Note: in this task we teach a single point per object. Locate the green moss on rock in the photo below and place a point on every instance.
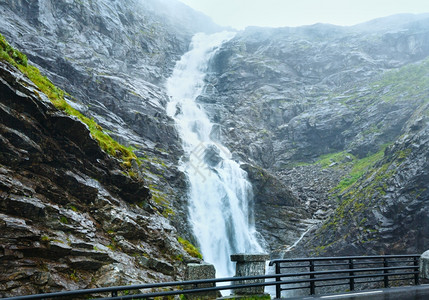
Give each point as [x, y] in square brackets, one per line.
[56, 95]
[191, 249]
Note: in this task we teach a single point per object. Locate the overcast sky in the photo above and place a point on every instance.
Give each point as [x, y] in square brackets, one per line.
[276, 13]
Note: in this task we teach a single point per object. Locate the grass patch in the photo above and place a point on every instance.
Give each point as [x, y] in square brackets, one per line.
[355, 199]
[332, 159]
[160, 198]
[64, 220]
[360, 167]
[13, 56]
[45, 238]
[56, 95]
[406, 82]
[191, 249]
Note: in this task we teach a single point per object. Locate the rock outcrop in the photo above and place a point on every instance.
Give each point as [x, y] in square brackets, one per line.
[112, 57]
[74, 217]
[70, 215]
[289, 100]
[386, 211]
[290, 95]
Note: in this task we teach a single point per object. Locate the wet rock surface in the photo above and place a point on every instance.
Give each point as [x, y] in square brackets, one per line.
[386, 211]
[283, 98]
[113, 57]
[278, 104]
[68, 211]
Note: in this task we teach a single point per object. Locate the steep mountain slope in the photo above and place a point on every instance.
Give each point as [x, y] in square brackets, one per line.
[284, 98]
[112, 57]
[70, 215]
[293, 84]
[385, 209]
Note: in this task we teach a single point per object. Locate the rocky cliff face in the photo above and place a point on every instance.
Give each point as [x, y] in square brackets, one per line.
[284, 98]
[386, 210]
[112, 57]
[70, 216]
[295, 87]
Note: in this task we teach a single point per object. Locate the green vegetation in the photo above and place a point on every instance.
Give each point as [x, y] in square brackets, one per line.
[160, 198]
[405, 83]
[56, 96]
[191, 249]
[108, 144]
[360, 167]
[74, 276]
[64, 220]
[113, 244]
[319, 250]
[45, 238]
[10, 54]
[409, 83]
[178, 257]
[366, 184]
[327, 160]
[166, 297]
[404, 153]
[354, 198]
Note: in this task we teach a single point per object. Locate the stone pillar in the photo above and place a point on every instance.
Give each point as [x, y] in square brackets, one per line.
[249, 265]
[201, 271]
[424, 265]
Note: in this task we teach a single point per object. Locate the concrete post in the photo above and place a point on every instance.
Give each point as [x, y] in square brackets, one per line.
[201, 271]
[249, 265]
[424, 265]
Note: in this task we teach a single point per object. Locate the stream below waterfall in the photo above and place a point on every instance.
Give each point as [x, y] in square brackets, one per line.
[220, 196]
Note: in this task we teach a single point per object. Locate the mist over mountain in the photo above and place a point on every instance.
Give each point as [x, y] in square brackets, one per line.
[330, 123]
[318, 108]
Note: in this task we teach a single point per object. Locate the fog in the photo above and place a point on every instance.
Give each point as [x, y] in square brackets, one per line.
[277, 13]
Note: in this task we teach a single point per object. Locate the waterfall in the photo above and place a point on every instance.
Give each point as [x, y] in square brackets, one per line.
[220, 195]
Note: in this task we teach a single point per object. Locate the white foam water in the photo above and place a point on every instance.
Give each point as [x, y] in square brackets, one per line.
[220, 195]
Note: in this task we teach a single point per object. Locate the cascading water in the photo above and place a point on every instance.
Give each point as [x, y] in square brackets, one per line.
[219, 196]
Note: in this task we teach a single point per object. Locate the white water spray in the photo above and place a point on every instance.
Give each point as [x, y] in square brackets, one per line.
[299, 239]
[220, 193]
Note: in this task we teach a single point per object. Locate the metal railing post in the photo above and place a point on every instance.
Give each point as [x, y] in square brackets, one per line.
[386, 277]
[278, 290]
[416, 268]
[114, 293]
[312, 283]
[352, 279]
